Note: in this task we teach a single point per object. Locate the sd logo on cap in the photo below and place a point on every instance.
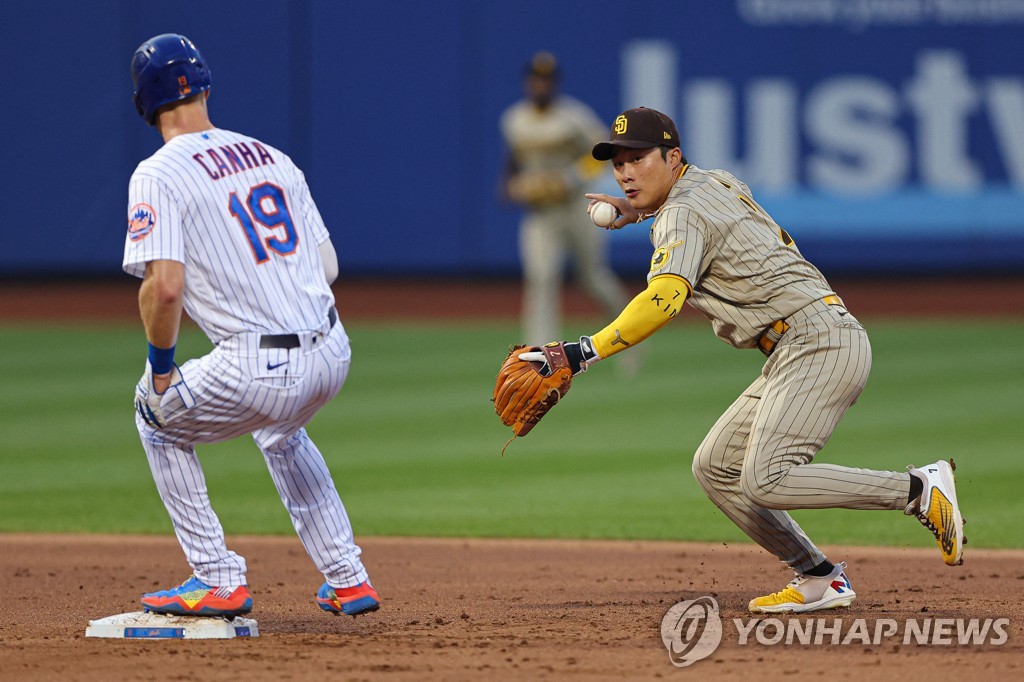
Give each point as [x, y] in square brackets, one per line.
[639, 128]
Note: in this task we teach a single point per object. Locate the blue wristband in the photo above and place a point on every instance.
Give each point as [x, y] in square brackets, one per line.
[161, 359]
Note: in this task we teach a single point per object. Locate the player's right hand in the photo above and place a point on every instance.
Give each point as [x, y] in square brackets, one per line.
[627, 214]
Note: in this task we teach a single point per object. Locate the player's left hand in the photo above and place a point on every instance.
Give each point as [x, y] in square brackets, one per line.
[149, 393]
[579, 355]
[523, 393]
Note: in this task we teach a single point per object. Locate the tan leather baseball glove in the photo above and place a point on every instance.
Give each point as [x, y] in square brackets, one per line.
[539, 188]
[525, 390]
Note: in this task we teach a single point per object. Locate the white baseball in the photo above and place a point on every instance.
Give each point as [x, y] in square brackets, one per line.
[603, 214]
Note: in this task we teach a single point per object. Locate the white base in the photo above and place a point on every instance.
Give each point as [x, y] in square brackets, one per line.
[142, 625]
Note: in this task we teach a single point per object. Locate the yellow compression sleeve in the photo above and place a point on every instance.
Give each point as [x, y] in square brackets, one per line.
[647, 313]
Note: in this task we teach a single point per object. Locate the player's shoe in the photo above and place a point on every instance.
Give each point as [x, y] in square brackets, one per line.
[348, 600]
[806, 593]
[937, 509]
[195, 598]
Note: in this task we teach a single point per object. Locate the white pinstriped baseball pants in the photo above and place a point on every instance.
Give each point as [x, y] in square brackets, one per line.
[240, 388]
[756, 460]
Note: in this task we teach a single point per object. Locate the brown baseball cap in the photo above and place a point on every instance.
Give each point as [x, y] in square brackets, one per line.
[639, 128]
[543, 64]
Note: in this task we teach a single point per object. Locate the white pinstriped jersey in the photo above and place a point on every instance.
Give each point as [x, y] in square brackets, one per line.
[239, 215]
[745, 271]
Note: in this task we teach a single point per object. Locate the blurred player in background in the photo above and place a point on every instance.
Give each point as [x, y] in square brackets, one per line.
[548, 138]
[223, 226]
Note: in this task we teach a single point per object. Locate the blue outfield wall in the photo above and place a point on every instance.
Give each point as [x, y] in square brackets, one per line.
[886, 137]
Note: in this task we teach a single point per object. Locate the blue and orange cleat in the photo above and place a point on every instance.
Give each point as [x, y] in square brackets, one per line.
[348, 600]
[195, 598]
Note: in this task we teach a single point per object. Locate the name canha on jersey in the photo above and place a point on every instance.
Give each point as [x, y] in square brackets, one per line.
[238, 213]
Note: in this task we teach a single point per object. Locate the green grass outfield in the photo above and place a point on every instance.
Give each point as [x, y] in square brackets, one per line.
[415, 446]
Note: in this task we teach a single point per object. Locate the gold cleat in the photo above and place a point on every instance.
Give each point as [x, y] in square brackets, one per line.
[937, 509]
[806, 593]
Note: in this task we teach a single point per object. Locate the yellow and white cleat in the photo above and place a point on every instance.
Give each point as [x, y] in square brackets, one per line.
[806, 593]
[937, 509]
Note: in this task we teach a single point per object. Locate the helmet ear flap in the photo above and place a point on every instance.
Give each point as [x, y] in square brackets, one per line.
[138, 105]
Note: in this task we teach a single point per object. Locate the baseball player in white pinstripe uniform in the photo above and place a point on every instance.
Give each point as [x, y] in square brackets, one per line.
[716, 248]
[223, 226]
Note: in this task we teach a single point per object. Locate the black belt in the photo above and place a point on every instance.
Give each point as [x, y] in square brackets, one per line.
[292, 340]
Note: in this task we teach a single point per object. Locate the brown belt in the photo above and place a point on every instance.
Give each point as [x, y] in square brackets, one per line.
[773, 334]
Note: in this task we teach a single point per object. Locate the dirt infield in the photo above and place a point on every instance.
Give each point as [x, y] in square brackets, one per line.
[435, 299]
[503, 609]
[513, 609]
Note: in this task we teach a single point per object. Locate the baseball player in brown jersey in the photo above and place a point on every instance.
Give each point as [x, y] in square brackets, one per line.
[717, 249]
[548, 136]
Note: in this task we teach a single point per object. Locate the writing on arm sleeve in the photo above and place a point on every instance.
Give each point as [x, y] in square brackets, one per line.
[677, 261]
[647, 313]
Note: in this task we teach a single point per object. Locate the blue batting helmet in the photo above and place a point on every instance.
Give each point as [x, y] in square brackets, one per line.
[165, 69]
